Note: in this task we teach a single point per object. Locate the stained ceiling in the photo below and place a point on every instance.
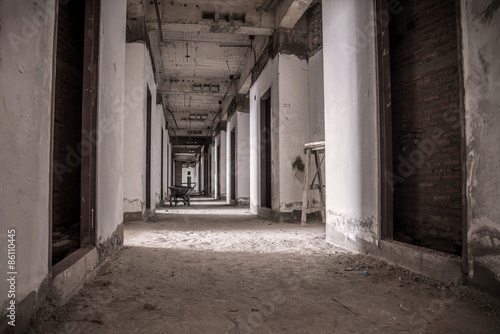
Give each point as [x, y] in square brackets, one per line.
[203, 52]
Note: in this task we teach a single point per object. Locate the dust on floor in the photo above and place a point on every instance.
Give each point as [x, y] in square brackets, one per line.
[211, 268]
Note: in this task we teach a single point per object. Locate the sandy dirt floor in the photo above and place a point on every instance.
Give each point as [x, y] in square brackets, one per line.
[211, 268]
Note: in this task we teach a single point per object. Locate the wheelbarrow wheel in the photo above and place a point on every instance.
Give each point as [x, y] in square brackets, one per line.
[170, 200]
[189, 200]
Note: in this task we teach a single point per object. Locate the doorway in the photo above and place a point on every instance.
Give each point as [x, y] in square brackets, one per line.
[149, 103]
[161, 167]
[265, 151]
[233, 165]
[217, 159]
[421, 131]
[73, 186]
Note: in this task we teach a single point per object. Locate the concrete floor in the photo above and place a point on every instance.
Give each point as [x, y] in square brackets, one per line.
[212, 268]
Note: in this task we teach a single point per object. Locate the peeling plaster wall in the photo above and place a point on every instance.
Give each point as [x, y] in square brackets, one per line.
[293, 130]
[316, 98]
[157, 124]
[223, 164]
[352, 166]
[240, 123]
[110, 119]
[481, 47]
[242, 157]
[139, 75]
[268, 79]
[134, 137]
[221, 140]
[231, 125]
[25, 111]
[149, 79]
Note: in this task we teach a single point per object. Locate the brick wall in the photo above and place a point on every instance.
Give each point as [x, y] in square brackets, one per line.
[67, 129]
[426, 125]
[314, 24]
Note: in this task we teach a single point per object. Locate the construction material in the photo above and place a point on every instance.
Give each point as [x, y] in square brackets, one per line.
[318, 149]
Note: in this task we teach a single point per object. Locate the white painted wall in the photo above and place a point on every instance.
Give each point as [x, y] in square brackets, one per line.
[213, 192]
[481, 50]
[138, 77]
[110, 119]
[243, 158]
[240, 123]
[157, 124]
[289, 78]
[133, 140]
[316, 98]
[170, 164]
[26, 88]
[25, 111]
[293, 129]
[352, 164]
[231, 123]
[222, 192]
[268, 79]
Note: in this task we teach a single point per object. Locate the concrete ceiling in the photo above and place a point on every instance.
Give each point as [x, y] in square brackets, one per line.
[203, 53]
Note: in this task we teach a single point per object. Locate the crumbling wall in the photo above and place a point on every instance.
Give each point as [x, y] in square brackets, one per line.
[26, 56]
[139, 77]
[426, 130]
[481, 47]
[351, 123]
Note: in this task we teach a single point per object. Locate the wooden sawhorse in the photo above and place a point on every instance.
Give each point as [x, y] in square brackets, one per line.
[317, 148]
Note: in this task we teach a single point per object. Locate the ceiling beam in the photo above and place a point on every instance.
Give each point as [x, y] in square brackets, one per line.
[289, 12]
[205, 17]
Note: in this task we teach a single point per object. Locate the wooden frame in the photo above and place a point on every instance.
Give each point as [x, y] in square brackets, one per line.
[265, 151]
[385, 119]
[90, 100]
[149, 106]
[161, 167]
[52, 117]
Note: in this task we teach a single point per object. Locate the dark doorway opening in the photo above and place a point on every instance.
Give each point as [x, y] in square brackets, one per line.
[233, 164]
[149, 106]
[209, 173]
[423, 165]
[161, 167]
[265, 151]
[217, 159]
[73, 188]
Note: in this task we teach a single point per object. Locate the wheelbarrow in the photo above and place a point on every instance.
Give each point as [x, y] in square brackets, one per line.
[182, 192]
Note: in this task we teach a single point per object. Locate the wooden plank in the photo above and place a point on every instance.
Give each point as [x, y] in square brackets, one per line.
[315, 209]
[315, 144]
[321, 191]
[305, 192]
[385, 112]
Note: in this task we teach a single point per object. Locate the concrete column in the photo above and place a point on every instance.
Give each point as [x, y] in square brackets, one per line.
[352, 144]
[243, 158]
[222, 160]
[287, 78]
[138, 76]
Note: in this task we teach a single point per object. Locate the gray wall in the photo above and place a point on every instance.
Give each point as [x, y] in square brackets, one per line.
[481, 50]
[110, 119]
[25, 111]
[26, 87]
[352, 163]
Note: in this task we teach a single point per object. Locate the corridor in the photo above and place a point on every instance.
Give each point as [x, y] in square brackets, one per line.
[214, 268]
[379, 118]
